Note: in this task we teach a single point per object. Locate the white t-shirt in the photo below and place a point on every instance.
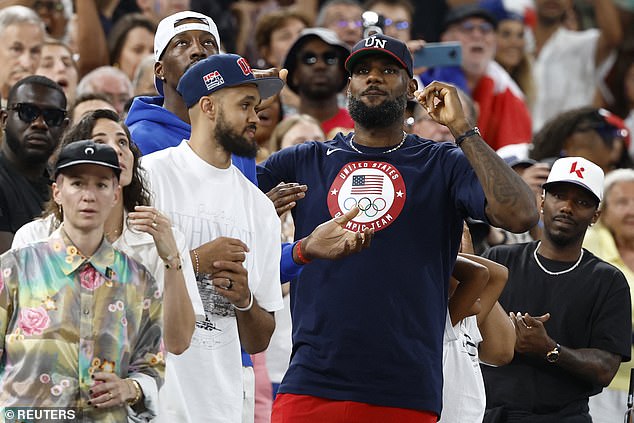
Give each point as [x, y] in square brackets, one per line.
[463, 396]
[565, 74]
[205, 382]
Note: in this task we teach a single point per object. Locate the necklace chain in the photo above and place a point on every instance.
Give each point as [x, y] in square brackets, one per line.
[573, 267]
[385, 152]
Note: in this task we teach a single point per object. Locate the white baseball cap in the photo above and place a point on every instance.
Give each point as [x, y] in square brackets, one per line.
[579, 171]
[168, 28]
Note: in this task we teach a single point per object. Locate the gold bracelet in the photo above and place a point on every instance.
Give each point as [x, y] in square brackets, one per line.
[197, 263]
[138, 392]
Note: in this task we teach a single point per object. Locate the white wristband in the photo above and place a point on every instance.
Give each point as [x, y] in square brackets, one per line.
[247, 308]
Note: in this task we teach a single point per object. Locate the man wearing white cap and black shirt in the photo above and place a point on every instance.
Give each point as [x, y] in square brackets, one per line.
[571, 310]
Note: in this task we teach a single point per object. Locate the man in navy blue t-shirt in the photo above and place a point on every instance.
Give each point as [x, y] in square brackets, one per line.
[368, 329]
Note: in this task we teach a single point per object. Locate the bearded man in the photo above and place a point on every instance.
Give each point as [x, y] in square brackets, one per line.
[368, 329]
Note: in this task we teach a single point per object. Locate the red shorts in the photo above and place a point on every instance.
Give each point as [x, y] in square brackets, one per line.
[292, 408]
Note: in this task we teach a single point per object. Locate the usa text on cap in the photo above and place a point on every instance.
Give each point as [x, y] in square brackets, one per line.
[222, 71]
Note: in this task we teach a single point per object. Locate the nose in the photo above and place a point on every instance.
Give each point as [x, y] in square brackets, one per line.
[198, 50]
[374, 74]
[253, 116]
[39, 122]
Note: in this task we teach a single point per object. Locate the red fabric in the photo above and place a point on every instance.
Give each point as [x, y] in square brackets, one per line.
[341, 120]
[292, 408]
[504, 118]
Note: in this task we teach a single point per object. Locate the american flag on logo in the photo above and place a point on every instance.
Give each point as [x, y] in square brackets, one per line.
[367, 184]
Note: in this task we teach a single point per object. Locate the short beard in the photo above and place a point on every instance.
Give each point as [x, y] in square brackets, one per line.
[385, 114]
[233, 142]
[16, 146]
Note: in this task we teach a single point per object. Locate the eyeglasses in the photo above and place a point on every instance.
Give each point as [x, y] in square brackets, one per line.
[484, 27]
[50, 6]
[397, 24]
[330, 58]
[28, 112]
[345, 23]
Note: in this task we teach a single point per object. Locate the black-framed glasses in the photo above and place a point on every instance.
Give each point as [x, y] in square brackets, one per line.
[28, 112]
[330, 58]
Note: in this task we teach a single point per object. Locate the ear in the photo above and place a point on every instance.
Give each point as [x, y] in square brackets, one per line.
[412, 86]
[57, 195]
[596, 216]
[541, 204]
[158, 70]
[3, 118]
[208, 105]
[117, 192]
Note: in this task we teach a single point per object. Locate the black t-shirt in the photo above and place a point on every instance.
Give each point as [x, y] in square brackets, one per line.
[21, 200]
[589, 308]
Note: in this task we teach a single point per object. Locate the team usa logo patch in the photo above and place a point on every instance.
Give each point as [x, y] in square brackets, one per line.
[213, 79]
[377, 188]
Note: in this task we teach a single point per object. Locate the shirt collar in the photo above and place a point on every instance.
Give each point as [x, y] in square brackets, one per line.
[70, 259]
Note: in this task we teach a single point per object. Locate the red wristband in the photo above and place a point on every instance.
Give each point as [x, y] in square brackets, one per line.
[300, 256]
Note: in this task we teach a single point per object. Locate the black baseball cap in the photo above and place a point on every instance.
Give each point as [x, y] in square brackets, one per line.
[87, 152]
[382, 44]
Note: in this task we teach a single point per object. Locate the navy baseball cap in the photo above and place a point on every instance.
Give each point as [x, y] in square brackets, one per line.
[382, 44]
[87, 152]
[221, 71]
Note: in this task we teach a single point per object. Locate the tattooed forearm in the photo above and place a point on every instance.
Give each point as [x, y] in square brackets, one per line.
[510, 202]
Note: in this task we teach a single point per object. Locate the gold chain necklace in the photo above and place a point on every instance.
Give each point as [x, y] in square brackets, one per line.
[385, 152]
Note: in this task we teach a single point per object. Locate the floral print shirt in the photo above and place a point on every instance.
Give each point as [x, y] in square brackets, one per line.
[64, 316]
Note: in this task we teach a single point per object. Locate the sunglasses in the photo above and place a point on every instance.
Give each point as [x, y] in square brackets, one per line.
[484, 27]
[330, 58]
[28, 112]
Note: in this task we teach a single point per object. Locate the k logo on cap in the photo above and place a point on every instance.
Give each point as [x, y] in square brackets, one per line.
[579, 171]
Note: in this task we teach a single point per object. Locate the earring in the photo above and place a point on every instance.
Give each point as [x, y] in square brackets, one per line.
[59, 207]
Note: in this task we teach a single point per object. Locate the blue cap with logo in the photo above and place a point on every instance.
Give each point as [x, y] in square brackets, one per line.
[222, 71]
[382, 44]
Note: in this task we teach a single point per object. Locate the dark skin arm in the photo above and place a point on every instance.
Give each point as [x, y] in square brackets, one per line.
[6, 238]
[510, 202]
[254, 326]
[331, 240]
[472, 278]
[223, 258]
[591, 364]
[285, 195]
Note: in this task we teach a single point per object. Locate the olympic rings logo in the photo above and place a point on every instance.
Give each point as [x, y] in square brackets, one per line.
[368, 207]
